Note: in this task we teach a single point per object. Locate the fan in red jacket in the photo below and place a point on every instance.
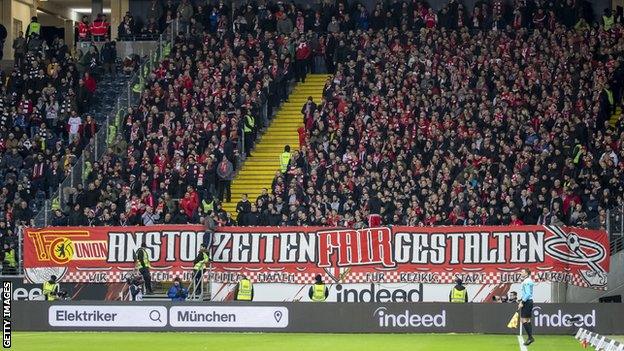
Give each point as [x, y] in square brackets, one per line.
[84, 29]
[99, 28]
[302, 57]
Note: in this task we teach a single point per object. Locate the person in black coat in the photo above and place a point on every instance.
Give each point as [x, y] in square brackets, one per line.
[3, 36]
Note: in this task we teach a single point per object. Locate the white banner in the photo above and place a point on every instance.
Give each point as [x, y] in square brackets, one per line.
[229, 317]
[107, 316]
[381, 292]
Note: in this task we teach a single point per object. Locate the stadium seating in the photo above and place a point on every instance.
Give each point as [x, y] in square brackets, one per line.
[491, 116]
[49, 114]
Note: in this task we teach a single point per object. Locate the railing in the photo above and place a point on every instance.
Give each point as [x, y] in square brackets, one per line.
[82, 165]
[203, 290]
[615, 228]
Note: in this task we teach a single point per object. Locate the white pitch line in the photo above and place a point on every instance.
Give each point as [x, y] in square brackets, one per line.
[521, 343]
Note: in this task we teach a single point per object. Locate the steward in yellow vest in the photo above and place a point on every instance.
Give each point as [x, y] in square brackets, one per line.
[199, 264]
[285, 159]
[244, 290]
[10, 263]
[458, 293]
[608, 20]
[50, 289]
[318, 292]
[34, 27]
[142, 263]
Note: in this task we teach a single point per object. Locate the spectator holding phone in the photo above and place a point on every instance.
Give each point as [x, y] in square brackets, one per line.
[177, 292]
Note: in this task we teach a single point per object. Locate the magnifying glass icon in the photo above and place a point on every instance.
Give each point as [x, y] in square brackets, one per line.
[154, 315]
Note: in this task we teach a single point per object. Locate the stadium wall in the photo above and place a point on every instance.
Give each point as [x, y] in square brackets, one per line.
[380, 292]
[615, 284]
[312, 317]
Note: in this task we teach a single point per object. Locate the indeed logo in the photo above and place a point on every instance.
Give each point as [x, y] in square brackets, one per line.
[560, 319]
[378, 295]
[409, 320]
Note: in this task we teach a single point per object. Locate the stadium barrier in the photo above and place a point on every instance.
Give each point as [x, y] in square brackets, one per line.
[597, 341]
[311, 317]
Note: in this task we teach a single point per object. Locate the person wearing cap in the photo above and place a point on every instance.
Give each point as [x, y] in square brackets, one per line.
[318, 292]
[458, 293]
[199, 264]
[142, 263]
[50, 289]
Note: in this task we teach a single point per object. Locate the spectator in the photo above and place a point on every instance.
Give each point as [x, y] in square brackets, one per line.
[127, 27]
[177, 292]
[100, 28]
[184, 14]
[83, 29]
[19, 49]
[109, 58]
[225, 172]
[242, 209]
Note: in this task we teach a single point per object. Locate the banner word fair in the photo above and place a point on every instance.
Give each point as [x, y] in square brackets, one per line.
[430, 255]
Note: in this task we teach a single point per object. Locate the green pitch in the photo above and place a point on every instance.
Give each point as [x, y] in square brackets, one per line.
[121, 341]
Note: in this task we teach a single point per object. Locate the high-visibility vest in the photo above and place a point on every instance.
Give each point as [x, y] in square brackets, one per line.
[112, 132]
[146, 260]
[458, 296]
[48, 290]
[34, 27]
[250, 124]
[99, 28]
[577, 153]
[244, 290]
[9, 257]
[318, 292]
[284, 161]
[207, 206]
[201, 264]
[609, 96]
[608, 22]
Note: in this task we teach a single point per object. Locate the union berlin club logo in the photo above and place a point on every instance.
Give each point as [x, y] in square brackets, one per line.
[296, 254]
[575, 250]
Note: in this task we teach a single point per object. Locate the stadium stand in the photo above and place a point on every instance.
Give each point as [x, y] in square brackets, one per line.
[51, 105]
[504, 115]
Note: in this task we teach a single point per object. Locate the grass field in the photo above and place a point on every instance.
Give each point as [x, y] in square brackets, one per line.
[121, 341]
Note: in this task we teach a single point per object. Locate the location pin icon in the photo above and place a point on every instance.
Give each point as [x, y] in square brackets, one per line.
[278, 316]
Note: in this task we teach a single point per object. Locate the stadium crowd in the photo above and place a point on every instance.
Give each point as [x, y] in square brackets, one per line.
[498, 116]
[46, 105]
[448, 124]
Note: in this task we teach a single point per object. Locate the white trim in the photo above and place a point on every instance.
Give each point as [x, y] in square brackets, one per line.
[521, 343]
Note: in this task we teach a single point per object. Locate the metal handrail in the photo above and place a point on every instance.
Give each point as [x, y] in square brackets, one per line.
[193, 294]
[205, 288]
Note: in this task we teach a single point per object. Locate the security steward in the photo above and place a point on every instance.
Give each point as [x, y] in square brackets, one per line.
[244, 290]
[249, 128]
[318, 292]
[458, 293]
[285, 159]
[33, 28]
[51, 289]
[9, 263]
[142, 263]
[199, 264]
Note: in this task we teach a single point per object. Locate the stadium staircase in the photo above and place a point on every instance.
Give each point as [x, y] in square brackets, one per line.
[259, 170]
